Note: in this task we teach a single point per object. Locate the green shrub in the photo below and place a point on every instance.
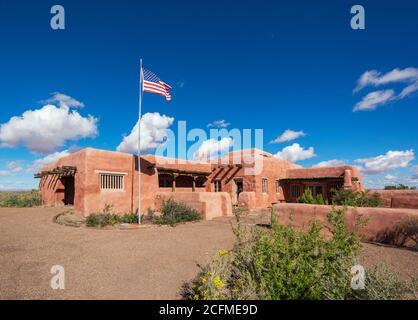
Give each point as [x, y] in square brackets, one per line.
[399, 187]
[108, 218]
[173, 212]
[102, 219]
[308, 198]
[20, 199]
[129, 218]
[281, 263]
[349, 197]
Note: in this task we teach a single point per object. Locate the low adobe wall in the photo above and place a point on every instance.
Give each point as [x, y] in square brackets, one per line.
[398, 198]
[379, 228]
[210, 204]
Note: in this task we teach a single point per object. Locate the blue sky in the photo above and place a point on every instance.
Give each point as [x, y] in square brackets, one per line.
[260, 64]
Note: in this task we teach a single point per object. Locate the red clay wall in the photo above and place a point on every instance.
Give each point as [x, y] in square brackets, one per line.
[52, 190]
[399, 198]
[380, 220]
[256, 165]
[210, 204]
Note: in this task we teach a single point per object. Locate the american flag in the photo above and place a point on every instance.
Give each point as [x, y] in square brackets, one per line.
[153, 84]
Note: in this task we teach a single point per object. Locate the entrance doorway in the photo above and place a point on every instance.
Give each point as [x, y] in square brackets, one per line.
[69, 190]
[238, 187]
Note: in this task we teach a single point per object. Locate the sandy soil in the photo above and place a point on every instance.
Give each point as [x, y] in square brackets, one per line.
[145, 263]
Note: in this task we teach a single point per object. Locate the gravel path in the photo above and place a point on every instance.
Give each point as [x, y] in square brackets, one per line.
[146, 263]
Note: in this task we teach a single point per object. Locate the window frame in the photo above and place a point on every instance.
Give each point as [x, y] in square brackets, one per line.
[293, 187]
[264, 185]
[110, 181]
[277, 186]
[219, 187]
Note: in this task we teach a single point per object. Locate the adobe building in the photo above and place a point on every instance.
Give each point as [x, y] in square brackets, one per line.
[89, 179]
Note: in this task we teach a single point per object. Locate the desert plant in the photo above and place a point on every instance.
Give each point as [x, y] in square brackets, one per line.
[349, 197]
[399, 187]
[307, 197]
[381, 283]
[173, 212]
[102, 219]
[131, 218]
[281, 263]
[20, 199]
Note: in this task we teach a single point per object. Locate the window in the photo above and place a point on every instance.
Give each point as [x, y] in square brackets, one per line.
[165, 181]
[295, 190]
[217, 185]
[200, 182]
[277, 186]
[264, 185]
[332, 187]
[110, 181]
[316, 190]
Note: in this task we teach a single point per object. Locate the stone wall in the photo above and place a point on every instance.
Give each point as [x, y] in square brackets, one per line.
[381, 221]
[399, 198]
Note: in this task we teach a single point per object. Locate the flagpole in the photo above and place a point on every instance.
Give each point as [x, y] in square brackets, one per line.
[139, 139]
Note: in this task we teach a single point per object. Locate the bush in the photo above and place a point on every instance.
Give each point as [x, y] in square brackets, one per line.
[349, 197]
[281, 263]
[102, 219]
[20, 199]
[399, 187]
[173, 212]
[308, 198]
[107, 218]
[129, 218]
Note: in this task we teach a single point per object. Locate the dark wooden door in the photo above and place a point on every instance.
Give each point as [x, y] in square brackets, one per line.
[69, 190]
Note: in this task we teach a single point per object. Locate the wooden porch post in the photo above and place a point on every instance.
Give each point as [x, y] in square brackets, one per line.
[175, 175]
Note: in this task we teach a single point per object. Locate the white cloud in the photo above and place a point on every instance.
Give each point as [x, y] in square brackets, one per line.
[384, 163]
[153, 133]
[390, 177]
[63, 101]
[379, 182]
[16, 185]
[212, 148]
[218, 124]
[376, 78]
[295, 153]
[38, 164]
[329, 163]
[43, 130]
[374, 99]
[6, 173]
[408, 90]
[415, 172]
[13, 168]
[288, 135]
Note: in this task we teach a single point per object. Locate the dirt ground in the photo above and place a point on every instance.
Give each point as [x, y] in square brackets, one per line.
[145, 263]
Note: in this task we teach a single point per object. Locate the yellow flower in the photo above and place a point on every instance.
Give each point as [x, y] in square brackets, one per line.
[217, 282]
[222, 252]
